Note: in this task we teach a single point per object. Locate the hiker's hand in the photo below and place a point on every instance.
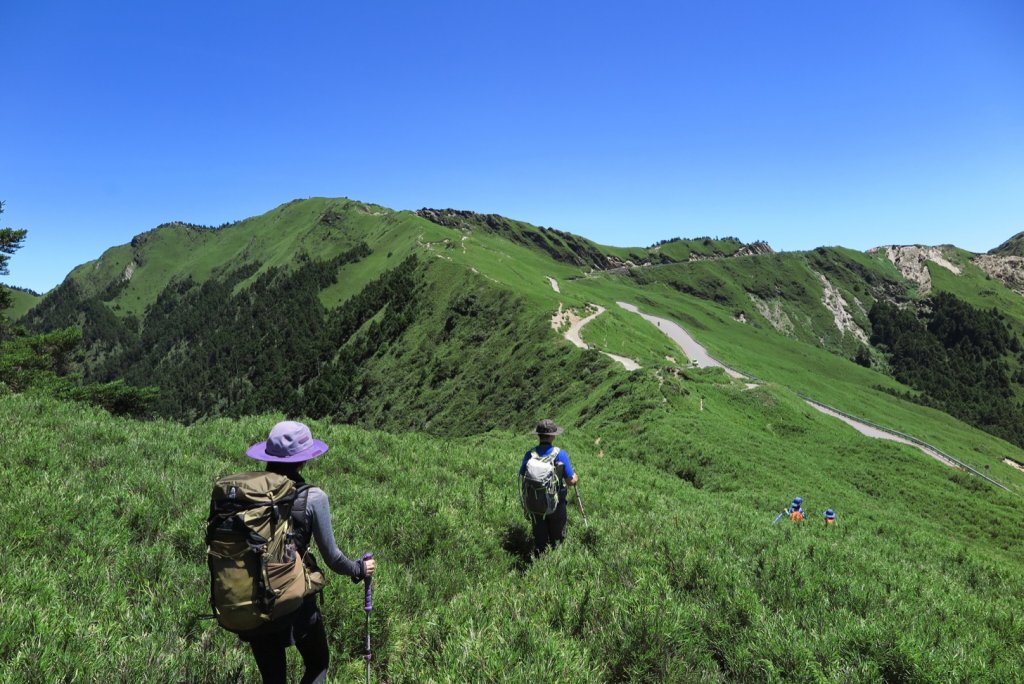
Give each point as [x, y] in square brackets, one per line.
[369, 565]
[575, 478]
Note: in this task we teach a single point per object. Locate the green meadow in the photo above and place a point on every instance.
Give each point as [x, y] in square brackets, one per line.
[679, 575]
[21, 302]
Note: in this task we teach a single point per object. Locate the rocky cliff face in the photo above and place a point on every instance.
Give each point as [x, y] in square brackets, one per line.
[1000, 264]
[760, 247]
[1008, 269]
[912, 262]
[752, 249]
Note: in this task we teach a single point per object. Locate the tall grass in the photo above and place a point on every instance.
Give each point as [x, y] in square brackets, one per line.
[679, 576]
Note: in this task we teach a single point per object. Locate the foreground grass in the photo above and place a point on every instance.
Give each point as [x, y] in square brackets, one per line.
[679, 576]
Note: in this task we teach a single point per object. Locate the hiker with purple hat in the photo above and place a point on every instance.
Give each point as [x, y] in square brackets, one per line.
[544, 477]
[286, 451]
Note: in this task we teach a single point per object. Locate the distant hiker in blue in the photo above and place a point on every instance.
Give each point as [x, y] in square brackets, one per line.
[830, 517]
[544, 478]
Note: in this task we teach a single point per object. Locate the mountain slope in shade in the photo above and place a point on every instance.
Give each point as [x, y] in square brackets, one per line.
[1012, 247]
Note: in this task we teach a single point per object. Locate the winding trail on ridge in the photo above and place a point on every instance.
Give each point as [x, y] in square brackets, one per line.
[699, 356]
[576, 326]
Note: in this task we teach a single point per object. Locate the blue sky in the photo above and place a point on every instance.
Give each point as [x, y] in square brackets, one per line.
[803, 123]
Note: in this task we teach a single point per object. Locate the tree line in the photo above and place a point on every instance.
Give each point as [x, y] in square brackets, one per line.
[960, 357]
[421, 347]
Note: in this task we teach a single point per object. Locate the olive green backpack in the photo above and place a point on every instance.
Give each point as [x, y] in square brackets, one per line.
[258, 572]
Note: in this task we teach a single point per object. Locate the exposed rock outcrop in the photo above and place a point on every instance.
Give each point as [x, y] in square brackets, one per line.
[773, 313]
[759, 247]
[836, 303]
[912, 260]
[1008, 269]
[754, 248]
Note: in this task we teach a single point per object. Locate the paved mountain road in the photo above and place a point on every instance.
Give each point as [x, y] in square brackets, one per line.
[699, 355]
[696, 353]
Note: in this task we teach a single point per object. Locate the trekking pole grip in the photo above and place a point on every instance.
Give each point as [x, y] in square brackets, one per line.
[368, 602]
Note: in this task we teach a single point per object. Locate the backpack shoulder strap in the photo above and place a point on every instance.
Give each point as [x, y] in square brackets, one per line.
[300, 512]
[302, 524]
[546, 459]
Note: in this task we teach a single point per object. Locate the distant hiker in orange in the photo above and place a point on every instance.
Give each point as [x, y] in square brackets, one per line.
[796, 513]
[830, 517]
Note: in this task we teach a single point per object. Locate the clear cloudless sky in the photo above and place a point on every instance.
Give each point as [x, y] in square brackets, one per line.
[800, 122]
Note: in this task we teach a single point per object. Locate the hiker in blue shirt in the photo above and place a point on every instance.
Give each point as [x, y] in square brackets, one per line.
[548, 525]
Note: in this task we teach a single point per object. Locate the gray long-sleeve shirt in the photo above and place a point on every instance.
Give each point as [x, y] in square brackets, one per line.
[319, 511]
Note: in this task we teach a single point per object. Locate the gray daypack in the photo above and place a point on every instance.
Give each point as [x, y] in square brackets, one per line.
[539, 484]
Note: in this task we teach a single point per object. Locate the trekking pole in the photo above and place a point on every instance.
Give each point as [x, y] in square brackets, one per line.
[778, 516]
[580, 502]
[368, 606]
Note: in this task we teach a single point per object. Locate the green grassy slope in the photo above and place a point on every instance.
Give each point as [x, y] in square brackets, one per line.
[679, 577]
[21, 302]
[575, 250]
[320, 228]
[798, 366]
[788, 287]
[976, 288]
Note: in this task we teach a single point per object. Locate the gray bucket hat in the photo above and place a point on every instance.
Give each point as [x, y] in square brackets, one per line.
[289, 442]
[548, 427]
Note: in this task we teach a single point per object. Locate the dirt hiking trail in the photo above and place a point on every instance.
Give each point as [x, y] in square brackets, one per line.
[576, 324]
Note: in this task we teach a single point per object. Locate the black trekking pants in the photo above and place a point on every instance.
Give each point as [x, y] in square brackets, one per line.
[549, 530]
[308, 636]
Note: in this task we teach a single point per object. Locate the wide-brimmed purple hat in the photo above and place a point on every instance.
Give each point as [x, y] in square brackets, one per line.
[289, 442]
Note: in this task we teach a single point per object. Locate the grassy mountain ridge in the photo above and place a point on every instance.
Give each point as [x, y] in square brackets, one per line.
[143, 308]
[578, 251]
[21, 301]
[766, 313]
[129, 277]
[1012, 247]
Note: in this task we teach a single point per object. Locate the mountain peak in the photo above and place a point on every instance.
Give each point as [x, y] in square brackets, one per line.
[1012, 247]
